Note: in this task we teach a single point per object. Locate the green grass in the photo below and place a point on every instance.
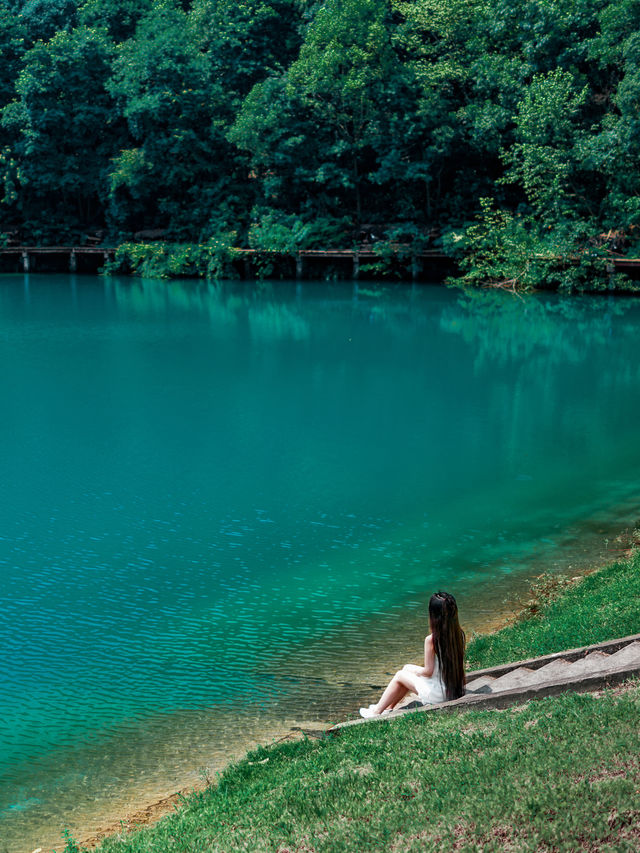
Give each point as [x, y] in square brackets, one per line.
[562, 772]
[558, 774]
[602, 606]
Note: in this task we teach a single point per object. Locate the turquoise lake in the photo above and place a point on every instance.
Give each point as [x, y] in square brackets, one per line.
[224, 507]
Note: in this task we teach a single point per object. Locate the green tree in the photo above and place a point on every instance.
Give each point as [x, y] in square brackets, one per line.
[44, 18]
[179, 173]
[12, 49]
[319, 133]
[614, 151]
[249, 41]
[545, 157]
[63, 123]
[118, 17]
[475, 61]
[447, 144]
[344, 77]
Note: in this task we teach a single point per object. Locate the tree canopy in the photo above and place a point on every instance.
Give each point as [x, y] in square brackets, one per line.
[298, 123]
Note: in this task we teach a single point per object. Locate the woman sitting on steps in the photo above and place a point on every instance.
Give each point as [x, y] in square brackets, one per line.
[442, 676]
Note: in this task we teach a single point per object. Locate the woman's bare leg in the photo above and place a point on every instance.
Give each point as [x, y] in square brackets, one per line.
[401, 684]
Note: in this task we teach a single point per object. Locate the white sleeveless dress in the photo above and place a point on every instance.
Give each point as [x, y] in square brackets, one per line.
[431, 687]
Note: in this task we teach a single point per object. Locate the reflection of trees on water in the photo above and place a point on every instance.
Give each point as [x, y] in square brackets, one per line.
[565, 367]
[228, 308]
[532, 333]
[504, 328]
[274, 311]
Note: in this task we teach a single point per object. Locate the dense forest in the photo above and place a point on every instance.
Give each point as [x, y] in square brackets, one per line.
[504, 130]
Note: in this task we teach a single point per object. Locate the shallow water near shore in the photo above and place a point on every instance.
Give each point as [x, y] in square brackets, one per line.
[225, 507]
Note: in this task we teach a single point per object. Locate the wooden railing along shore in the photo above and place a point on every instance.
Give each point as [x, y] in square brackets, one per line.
[92, 258]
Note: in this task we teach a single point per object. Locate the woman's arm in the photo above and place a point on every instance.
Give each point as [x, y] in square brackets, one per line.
[429, 660]
[429, 657]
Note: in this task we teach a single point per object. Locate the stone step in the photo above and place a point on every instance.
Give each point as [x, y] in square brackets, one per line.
[560, 668]
[519, 677]
[627, 656]
[481, 685]
[551, 671]
[593, 662]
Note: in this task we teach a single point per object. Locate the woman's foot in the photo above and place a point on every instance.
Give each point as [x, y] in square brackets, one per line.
[369, 712]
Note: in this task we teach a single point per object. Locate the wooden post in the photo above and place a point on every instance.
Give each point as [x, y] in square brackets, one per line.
[25, 262]
[416, 267]
[611, 269]
[299, 266]
[247, 268]
[73, 262]
[356, 266]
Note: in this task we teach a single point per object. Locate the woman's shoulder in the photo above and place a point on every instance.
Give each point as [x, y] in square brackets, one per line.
[428, 640]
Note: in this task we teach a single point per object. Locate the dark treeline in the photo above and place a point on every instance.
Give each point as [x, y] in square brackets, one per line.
[510, 128]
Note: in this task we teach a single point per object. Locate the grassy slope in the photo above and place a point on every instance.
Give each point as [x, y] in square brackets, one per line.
[560, 773]
[602, 606]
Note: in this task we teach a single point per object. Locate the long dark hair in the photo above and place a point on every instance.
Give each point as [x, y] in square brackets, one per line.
[448, 642]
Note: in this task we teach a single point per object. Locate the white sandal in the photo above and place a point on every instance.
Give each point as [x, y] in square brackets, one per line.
[368, 713]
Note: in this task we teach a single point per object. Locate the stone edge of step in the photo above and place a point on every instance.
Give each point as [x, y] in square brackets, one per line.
[570, 655]
[505, 698]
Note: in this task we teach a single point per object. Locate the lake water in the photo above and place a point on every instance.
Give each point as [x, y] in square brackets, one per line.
[224, 508]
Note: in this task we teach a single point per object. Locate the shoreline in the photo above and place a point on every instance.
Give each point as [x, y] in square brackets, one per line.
[513, 609]
[192, 262]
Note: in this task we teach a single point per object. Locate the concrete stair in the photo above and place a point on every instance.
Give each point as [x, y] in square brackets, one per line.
[592, 662]
[521, 677]
[579, 670]
[567, 667]
[629, 655]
